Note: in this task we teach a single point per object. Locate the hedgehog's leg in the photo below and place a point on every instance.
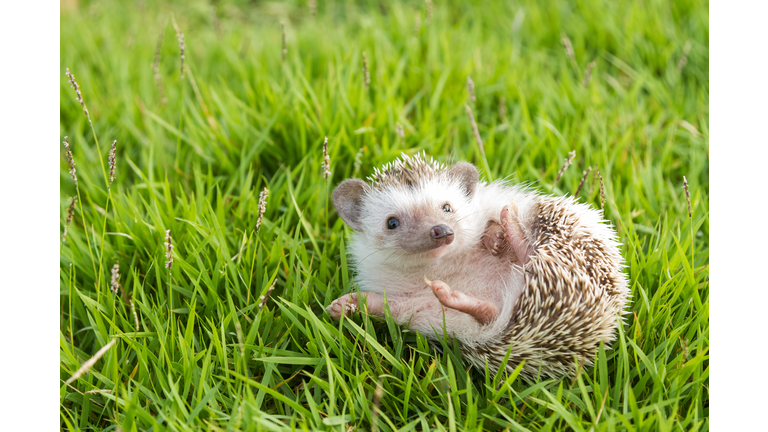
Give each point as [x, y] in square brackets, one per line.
[514, 232]
[482, 311]
[348, 304]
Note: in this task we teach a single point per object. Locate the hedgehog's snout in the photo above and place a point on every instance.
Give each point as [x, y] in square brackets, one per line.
[442, 233]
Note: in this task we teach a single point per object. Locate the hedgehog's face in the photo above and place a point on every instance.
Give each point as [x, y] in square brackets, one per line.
[416, 221]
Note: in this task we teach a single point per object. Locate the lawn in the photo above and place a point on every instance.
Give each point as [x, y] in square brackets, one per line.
[234, 335]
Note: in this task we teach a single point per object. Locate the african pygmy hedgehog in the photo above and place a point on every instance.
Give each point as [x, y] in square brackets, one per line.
[507, 266]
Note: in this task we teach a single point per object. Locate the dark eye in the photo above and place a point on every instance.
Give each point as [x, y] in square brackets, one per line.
[447, 208]
[393, 223]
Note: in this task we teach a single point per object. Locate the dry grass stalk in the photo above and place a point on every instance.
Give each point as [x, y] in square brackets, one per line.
[168, 249]
[687, 196]
[263, 299]
[366, 75]
[602, 191]
[567, 163]
[80, 100]
[503, 108]
[377, 395]
[583, 179]
[71, 160]
[90, 362]
[690, 128]
[474, 129]
[112, 162]
[156, 68]
[285, 42]
[400, 131]
[588, 73]
[70, 214]
[326, 160]
[684, 59]
[262, 207]
[94, 391]
[471, 89]
[429, 6]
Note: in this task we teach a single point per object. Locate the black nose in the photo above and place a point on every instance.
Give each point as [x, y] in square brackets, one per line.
[440, 231]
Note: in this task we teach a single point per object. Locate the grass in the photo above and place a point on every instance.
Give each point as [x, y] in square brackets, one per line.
[205, 356]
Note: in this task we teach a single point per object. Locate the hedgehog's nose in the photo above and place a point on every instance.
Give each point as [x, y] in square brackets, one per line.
[440, 231]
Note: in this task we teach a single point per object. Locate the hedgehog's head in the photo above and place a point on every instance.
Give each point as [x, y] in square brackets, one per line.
[415, 209]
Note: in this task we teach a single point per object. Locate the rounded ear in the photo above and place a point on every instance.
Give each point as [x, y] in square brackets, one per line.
[467, 175]
[348, 200]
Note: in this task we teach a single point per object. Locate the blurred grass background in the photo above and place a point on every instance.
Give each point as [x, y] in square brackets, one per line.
[194, 153]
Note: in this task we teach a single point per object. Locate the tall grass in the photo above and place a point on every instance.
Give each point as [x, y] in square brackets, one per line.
[206, 355]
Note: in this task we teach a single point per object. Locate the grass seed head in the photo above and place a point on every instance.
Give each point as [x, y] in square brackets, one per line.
[429, 6]
[71, 160]
[588, 73]
[471, 89]
[263, 299]
[70, 214]
[417, 24]
[80, 100]
[399, 130]
[326, 160]
[602, 191]
[687, 196]
[358, 160]
[156, 68]
[583, 179]
[474, 129]
[285, 42]
[312, 4]
[262, 207]
[114, 285]
[568, 161]
[567, 45]
[503, 108]
[182, 46]
[135, 315]
[168, 249]
[366, 75]
[112, 162]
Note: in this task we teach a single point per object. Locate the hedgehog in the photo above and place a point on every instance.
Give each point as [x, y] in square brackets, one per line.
[498, 268]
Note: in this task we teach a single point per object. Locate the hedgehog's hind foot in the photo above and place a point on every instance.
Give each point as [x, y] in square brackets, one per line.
[514, 234]
[482, 311]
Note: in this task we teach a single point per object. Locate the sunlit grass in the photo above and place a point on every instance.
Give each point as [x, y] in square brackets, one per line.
[205, 356]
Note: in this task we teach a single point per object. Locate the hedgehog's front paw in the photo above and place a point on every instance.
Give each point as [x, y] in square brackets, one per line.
[345, 305]
[494, 239]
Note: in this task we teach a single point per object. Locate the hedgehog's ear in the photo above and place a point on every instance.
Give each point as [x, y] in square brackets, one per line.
[348, 200]
[467, 175]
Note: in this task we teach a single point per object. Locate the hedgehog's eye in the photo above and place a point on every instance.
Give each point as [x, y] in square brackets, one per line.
[447, 208]
[393, 223]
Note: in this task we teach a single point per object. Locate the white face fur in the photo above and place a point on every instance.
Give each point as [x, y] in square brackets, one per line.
[411, 226]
